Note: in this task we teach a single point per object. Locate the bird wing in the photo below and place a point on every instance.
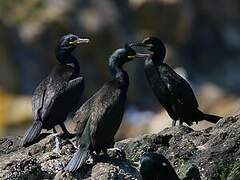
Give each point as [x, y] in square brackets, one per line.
[102, 110]
[75, 84]
[53, 91]
[96, 108]
[178, 87]
[37, 100]
[81, 117]
[83, 113]
[48, 91]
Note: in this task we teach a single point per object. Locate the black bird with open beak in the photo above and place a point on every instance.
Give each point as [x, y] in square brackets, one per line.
[173, 92]
[99, 118]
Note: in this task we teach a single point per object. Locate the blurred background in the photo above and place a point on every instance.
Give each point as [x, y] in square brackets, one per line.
[202, 39]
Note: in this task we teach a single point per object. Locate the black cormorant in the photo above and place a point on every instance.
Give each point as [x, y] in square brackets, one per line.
[173, 92]
[99, 118]
[57, 94]
[156, 167]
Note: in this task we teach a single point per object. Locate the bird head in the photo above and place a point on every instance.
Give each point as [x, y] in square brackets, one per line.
[67, 44]
[156, 166]
[124, 55]
[154, 45]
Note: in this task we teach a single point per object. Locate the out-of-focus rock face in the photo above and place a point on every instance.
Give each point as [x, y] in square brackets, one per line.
[198, 34]
[202, 37]
[213, 153]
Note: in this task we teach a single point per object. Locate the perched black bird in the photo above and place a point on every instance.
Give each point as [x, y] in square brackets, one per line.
[99, 118]
[57, 94]
[156, 167]
[173, 92]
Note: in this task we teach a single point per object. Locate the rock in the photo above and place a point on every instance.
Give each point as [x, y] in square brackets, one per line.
[206, 154]
[39, 160]
[212, 153]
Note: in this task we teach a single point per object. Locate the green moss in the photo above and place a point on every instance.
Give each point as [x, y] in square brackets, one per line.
[228, 170]
[236, 171]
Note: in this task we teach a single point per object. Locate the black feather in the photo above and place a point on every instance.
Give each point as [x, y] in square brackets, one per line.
[173, 92]
[32, 133]
[78, 159]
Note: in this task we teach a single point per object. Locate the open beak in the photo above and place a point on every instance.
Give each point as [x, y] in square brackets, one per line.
[139, 55]
[80, 41]
[140, 44]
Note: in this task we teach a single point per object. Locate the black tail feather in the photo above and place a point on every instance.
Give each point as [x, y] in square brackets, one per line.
[211, 118]
[78, 159]
[32, 133]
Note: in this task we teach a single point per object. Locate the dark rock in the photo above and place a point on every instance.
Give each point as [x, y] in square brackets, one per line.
[213, 153]
[208, 154]
[39, 161]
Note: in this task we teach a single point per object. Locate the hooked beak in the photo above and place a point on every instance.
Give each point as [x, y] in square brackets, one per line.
[80, 41]
[140, 44]
[139, 55]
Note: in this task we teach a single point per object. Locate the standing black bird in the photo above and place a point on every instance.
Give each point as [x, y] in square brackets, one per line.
[57, 94]
[173, 92]
[99, 118]
[156, 167]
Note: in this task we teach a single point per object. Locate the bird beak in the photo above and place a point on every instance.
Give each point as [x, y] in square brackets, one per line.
[79, 41]
[140, 44]
[131, 57]
[141, 55]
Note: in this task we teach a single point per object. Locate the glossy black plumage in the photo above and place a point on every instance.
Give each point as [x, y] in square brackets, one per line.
[58, 93]
[173, 92]
[99, 118]
[156, 167]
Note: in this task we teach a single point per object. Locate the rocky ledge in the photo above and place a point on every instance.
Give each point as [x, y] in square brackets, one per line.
[212, 153]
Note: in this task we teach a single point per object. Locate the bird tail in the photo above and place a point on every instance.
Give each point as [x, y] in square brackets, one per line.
[78, 159]
[32, 133]
[209, 117]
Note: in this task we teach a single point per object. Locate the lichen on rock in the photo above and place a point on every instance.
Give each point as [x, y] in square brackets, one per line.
[212, 153]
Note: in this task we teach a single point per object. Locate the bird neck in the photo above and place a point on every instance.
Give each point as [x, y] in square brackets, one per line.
[119, 74]
[75, 66]
[157, 58]
[68, 59]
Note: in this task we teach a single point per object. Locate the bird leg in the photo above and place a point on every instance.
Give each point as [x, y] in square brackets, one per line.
[180, 122]
[174, 122]
[57, 148]
[67, 134]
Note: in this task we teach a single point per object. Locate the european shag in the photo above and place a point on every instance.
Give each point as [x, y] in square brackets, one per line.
[58, 93]
[173, 92]
[156, 167]
[99, 118]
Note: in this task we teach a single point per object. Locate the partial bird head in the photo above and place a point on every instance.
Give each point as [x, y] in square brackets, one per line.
[154, 45]
[67, 44]
[124, 55]
[156, 167]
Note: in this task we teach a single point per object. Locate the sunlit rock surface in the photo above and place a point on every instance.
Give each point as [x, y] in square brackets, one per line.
[207, 154]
